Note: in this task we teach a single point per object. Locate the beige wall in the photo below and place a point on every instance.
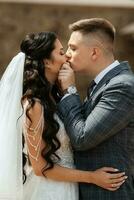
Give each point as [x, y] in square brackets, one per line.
[16, 20]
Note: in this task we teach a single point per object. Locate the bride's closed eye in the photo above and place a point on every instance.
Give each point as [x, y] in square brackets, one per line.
[62, 52]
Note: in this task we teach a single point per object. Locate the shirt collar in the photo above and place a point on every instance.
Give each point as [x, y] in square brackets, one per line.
[105, 71]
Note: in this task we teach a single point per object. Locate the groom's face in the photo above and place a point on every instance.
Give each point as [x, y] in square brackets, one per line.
[79, 52]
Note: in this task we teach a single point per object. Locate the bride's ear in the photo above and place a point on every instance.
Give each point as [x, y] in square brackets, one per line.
[46, 63]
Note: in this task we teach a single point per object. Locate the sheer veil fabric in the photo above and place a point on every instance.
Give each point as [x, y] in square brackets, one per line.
[11, 130]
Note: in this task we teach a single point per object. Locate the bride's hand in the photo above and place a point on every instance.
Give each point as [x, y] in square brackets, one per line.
[107, 178]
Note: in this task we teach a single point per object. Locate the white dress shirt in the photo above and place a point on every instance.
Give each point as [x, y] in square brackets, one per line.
[105, 71]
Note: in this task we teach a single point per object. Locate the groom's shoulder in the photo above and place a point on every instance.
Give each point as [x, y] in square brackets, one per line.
[126, 79]
[122, 82]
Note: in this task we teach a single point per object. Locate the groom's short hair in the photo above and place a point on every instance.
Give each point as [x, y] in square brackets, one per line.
[97, 26]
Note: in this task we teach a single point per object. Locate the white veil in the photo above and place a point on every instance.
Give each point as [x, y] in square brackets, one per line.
[11, 130]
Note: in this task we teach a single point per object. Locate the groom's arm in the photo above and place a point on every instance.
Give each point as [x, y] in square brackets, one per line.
[110, 115]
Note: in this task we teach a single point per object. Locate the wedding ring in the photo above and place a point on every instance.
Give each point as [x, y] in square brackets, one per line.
[113, 185]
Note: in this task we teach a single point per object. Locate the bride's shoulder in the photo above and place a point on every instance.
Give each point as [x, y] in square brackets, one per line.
[36, 108]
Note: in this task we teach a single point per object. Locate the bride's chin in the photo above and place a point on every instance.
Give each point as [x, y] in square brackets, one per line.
[55, 78]
[52, 82]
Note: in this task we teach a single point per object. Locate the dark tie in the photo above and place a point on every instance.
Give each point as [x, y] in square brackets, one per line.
[90, 88]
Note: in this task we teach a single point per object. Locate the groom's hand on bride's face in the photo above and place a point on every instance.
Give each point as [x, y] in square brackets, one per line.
[66, 76]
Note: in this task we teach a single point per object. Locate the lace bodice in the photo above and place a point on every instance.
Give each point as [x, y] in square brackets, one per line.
[65, 151]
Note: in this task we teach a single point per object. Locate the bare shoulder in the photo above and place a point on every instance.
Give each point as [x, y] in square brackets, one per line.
[35, 111]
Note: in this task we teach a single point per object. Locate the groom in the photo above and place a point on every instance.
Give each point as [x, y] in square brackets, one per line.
[101, 129]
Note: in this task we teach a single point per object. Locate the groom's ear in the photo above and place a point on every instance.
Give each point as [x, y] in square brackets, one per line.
[95, 53]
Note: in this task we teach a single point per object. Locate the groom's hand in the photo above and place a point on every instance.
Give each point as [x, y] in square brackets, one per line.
[66, 77]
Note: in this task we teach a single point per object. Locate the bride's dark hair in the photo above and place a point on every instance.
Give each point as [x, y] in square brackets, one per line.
[37, 47]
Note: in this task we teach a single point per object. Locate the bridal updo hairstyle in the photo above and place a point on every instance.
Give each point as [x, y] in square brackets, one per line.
[37, 47]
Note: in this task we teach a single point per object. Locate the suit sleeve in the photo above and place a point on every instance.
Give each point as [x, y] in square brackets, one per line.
[111, 114]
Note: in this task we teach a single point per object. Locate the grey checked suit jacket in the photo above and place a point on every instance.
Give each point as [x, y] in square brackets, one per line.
[102, 131]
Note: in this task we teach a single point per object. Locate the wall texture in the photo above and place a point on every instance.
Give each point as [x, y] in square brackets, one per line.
[16, 20]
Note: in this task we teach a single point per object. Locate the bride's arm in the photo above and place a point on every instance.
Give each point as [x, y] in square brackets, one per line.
[100, 177]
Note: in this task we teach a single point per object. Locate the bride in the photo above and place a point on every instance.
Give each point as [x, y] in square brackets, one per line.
[27, 104]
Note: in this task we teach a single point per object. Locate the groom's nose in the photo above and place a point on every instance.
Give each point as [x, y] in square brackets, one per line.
[68, 54]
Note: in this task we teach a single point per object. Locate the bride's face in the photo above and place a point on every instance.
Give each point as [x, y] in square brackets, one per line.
[54, 64]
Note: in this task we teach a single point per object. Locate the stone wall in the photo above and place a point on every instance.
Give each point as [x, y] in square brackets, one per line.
[16, 20]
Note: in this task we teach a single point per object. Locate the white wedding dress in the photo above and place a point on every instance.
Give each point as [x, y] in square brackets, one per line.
[41, 188]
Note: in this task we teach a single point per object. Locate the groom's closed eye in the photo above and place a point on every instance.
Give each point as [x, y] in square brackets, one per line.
[72, 47]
